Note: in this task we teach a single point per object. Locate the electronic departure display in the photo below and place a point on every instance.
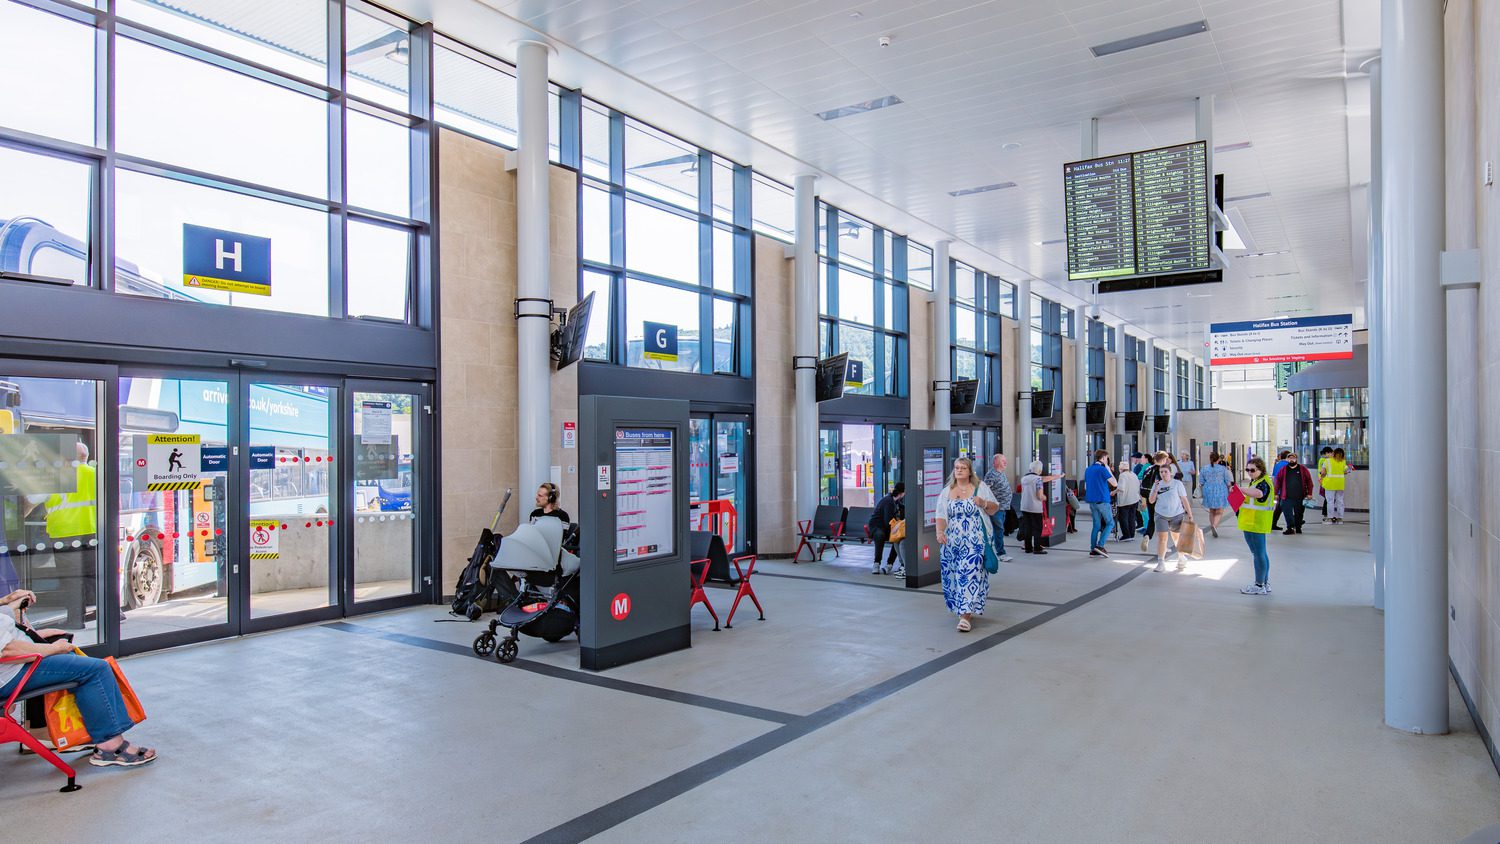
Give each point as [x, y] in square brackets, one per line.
[1141, 214]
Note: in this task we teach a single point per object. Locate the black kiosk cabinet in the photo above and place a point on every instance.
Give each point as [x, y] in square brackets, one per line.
[928, 460]
[634, 546]
[1055, 519]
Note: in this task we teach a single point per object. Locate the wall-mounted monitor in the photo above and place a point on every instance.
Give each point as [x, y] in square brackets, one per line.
[1163, 422]
[1135, 421]
[1041, 404]
[1096, 411]
[963, 396]
[568, 341]
[830, 377]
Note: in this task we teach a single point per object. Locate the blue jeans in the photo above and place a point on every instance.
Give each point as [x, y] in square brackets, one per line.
[1257, 543]
[997, 522]
[1104, 523]
[98, 695]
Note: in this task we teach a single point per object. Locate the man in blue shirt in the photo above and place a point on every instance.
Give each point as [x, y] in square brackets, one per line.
[1098, 486]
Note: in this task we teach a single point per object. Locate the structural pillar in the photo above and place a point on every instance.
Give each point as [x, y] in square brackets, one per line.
[1380, 476]
[942, 357]
[1120, 363]
[533, 265]
[805, 472]
[1024, 442]
[1081, 394]
[1148, 400]
[1174, 401]
[1414, 348]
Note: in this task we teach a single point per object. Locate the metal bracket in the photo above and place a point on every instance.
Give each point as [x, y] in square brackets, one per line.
[547, 315]
[801, 362]
[1461, 269]
[939, 386]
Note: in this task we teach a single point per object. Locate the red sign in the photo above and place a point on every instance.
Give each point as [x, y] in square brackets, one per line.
[140, 462]
[202, 518]
[926, 552]
[619, 608]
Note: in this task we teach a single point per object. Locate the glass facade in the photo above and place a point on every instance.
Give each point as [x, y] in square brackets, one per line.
[864, 299]
[1336, 418]
[977, 301]
[1159, 381]
[1100, 337]
[1046, 346]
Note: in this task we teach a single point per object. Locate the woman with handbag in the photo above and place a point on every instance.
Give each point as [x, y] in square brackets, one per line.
[967, 556]
[1216, 481]
[98, 694]
[883, 523]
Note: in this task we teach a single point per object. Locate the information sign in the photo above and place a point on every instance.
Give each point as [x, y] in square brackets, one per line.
[265, 542]
[215, 459]
[570, 435]
[932, 484]
[729, 464]
[1281, 340]
[376, 461]
[1054, 467]
[214, 259]
[262, 456]
[645, 518]
[1100, 218]
[375, 422]
[854, 375]
[1141, 214]
[173, 461]
[660, 341]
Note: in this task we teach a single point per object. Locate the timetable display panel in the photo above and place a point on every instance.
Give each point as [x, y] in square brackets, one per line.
[645, 518]
[1140, 214]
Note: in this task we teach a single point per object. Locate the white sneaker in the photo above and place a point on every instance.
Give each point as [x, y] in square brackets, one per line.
[1161, 565]
[1005, 558]
[899, 573]
[1143, 543]
[1253, 589]
[1265, 590]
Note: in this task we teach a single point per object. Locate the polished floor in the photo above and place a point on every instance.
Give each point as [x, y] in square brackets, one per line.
[1094, 701]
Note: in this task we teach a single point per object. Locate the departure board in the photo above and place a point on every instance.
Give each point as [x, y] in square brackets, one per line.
[1172, 232]
[1101, 218]
[1139, 214]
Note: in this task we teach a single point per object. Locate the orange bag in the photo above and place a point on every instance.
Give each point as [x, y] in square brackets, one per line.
[65, 722]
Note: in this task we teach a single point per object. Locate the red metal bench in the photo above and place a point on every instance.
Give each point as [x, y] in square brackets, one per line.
[11, 730]
[699, 574]
[745, 590]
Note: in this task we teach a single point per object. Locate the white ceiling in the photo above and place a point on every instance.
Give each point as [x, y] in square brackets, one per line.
[747, 78]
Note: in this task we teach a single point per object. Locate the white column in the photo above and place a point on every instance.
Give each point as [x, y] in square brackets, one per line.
[1380, 476]
[1119, 421]
[1173, 400]
[1414, 349]
[1024, 455]
[942, 316]
[1147, 393]
[533, 266]
[1081, 393]
[805, 347]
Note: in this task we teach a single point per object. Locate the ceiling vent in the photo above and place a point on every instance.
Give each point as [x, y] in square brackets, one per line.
[1246, 196]
[982, 189]
[1233, 147]
[860, 108]
[1161, 35]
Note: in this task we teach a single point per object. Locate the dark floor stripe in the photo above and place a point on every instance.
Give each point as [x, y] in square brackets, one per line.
[895, 588]
[639, 802]
[585, 677]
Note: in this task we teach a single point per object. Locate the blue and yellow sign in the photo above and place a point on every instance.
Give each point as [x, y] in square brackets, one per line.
[661, 342]
[854, 376]
[214, 259]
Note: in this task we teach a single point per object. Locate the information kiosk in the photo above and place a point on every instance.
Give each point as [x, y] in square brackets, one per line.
[1055, 520]
[634, 545]
[925, 467]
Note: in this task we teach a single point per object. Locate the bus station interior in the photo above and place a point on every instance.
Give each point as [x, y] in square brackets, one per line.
[727, 195]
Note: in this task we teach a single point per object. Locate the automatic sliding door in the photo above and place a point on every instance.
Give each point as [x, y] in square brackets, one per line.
[828, 465]
[293, 498]
[387, 493]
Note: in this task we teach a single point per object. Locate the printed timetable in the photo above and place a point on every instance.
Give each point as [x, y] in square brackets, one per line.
[1140, 214]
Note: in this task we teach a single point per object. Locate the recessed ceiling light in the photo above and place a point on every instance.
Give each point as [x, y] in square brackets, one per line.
[1136, 41]
[1010, 146]
[1246, 196]
[856, 14]
[982, 189]
[860, 108]
[1233, 147]
[1264, 254]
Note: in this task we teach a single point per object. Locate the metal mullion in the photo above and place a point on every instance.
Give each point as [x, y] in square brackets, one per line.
[65, 9]
[463, 48]
[226, 61]
[102, 209]
[43, 145]
[137, 164]
[570, 128]
[422, 275]
[383, 112]
[335, 142]
[705, 262]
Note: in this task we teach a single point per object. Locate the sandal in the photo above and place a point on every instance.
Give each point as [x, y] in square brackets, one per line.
[964, 626]
[126, 755]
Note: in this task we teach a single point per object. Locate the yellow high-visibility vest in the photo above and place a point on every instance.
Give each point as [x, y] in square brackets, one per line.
[1255, 515]
[1336, 471]
[74, 513]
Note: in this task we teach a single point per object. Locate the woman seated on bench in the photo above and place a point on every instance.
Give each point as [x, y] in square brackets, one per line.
[98, 695]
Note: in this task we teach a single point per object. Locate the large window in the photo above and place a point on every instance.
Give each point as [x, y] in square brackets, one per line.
[976, 305]
[229, 144]
[1184, 388]
[775, 208]
[1336, 418]
[1200, 392]
[863, 288]
[665, 249]
[1097, 334]
[1135, 351]
[1046, 346]
[1159, 382]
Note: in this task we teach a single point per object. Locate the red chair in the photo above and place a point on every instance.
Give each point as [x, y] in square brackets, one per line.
[699, 575]
[11, 730]
[745, 589]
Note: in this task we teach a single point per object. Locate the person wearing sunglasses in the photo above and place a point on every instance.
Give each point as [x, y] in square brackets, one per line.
[1255, 522]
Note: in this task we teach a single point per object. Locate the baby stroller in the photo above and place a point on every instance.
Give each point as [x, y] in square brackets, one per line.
[543, 559]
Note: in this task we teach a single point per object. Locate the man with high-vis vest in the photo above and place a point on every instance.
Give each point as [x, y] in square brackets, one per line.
[72, 533]
[1334, 473]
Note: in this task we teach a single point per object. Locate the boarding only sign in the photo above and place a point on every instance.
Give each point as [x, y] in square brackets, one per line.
[173, 462]
[1281, 340]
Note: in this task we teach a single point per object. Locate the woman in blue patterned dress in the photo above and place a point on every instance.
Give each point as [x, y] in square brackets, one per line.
[1215, 480]
[963, 530]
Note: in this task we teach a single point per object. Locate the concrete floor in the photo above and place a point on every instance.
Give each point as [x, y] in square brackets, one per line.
[1098, 702]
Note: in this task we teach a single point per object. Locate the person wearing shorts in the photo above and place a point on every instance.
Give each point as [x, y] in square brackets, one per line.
[1173, 507]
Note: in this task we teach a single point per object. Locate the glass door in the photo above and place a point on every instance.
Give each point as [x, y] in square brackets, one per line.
[828, 465]
[731, 466]
[895, 443]
[388, 423]
[292, 547]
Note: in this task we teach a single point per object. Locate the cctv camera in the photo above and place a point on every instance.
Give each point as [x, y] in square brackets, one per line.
[885, 40]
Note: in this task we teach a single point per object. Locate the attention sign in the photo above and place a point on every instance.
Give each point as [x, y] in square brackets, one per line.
[173, 462]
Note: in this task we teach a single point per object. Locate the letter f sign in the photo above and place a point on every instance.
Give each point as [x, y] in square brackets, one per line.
[220, 255]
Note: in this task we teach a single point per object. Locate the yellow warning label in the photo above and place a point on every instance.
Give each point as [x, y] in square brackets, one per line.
[271, 556]
[203, 282]
[173, 439]
[173, 486]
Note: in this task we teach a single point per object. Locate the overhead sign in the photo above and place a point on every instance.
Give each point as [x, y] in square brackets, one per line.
[1138, 214]
[173, 461]
[265, 542]
[661, 341]
[1281, 340]
[214, 259]
[854, 375]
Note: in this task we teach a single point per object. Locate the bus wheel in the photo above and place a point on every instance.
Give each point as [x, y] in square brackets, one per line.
[145, 576]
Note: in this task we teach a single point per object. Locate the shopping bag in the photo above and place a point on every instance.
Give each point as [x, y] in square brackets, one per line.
[1236, 498]
[64, 721]
[1190, 540]
[133, 708]
[898, 530]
